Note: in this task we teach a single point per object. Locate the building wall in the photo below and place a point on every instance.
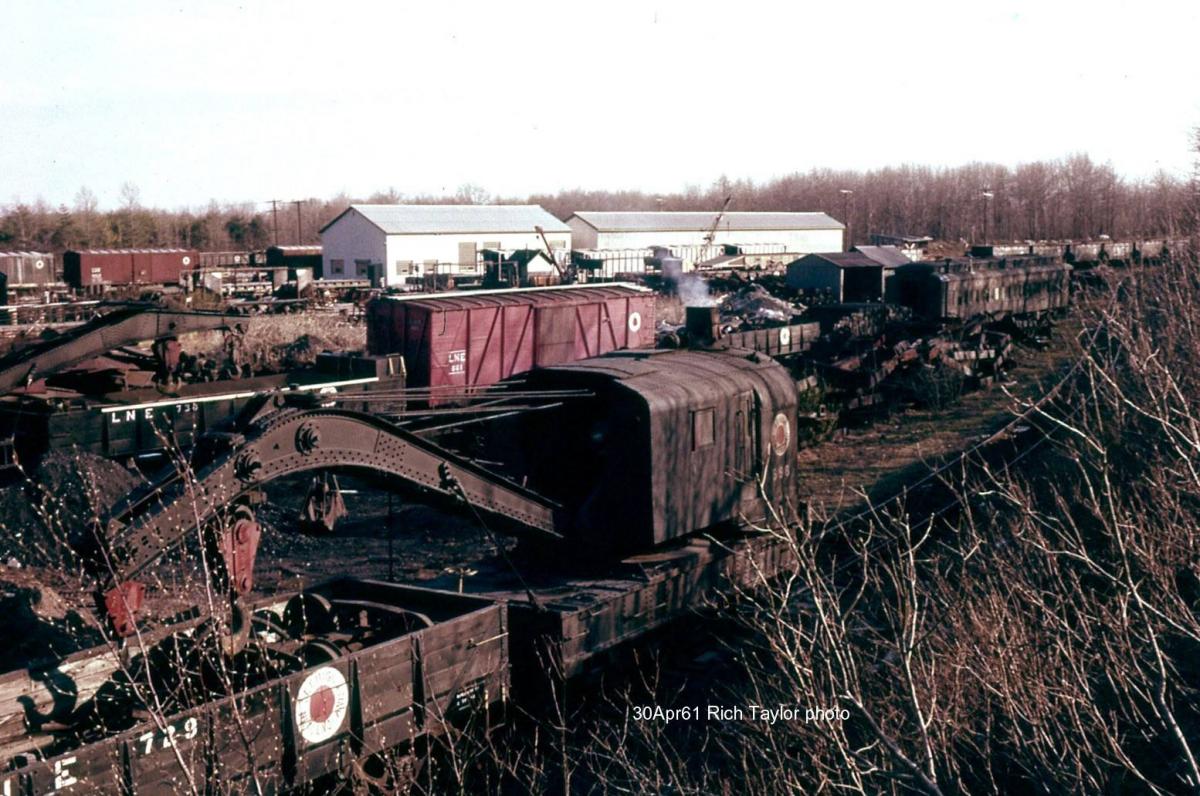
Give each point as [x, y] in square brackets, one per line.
[416, 255]
[800, 241]
[583, 235]
[351, 238]
[815, 274]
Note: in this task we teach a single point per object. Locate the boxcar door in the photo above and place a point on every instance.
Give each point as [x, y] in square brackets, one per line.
[555, 339]
[747, 465]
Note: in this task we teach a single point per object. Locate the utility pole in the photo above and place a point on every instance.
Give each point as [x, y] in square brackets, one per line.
[987, 201]
[846, 194]
[297, 203]
[275, 218]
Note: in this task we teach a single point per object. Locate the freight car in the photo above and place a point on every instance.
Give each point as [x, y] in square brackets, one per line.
[329, 677]
[29, 278]
[963, 289]
[96, 270]
[73, 391]
[1088, 254]
[296, 257]
[468, 340]
[76, 411]
[345, 676]
[29, 269]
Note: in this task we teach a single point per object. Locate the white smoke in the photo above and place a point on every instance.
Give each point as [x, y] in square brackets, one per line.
[690, 287]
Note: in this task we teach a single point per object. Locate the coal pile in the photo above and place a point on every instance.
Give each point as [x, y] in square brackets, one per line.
[66, 494]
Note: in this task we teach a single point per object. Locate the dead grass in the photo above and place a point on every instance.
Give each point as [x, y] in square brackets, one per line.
[282, 342]
[882, 456]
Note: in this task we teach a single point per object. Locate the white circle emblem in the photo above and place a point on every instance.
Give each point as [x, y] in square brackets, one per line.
[39, 264]
[781, 434]
[635, 321]
[321, 704]
[187, 260]
[785, 336]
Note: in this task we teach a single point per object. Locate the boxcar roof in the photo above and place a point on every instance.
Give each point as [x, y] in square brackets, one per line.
[562, 294]
[663, 376]
[129, 251]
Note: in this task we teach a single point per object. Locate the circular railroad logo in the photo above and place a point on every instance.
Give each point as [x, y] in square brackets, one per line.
[187, 260]
[781, 434]
[39, 264]
[785, 336]
[321, 704]
[635, 321]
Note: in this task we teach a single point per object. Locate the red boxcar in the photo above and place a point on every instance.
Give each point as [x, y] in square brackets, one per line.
[473, 339]
[96, 267]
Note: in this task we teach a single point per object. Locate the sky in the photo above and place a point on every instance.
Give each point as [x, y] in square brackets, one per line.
[250, 101]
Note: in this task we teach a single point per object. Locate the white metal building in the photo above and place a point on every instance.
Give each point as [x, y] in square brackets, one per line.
[407, 241]
[799, 233]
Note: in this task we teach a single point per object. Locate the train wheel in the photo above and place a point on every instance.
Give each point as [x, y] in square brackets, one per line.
[381, 774]
[308, 614]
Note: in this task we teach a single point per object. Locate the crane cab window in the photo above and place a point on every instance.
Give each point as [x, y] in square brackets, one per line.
[703, 428]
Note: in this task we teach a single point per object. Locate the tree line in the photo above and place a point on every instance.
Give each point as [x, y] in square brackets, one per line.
[1074, 197]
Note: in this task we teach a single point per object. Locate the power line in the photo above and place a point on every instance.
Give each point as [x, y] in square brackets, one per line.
[275, 203]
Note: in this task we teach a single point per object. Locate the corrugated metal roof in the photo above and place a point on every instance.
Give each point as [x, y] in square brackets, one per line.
[450, 219]
[605, 221]
[842, 260]
[887, 256]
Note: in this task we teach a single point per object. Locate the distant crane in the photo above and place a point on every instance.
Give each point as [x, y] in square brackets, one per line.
[565, 275]
[711, 235]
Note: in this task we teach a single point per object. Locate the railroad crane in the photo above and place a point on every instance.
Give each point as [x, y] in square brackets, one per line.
[566, 276]
[711, 235]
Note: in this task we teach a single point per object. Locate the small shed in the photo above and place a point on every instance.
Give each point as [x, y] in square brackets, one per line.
[843, 277]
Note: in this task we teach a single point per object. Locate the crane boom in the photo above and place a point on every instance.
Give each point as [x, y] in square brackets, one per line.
[564, 275]
[711, 235]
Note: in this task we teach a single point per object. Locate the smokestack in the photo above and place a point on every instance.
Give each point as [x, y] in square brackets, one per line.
[703, 325]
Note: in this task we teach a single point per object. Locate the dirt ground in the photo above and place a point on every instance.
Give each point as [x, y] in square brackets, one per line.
[879, 458]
